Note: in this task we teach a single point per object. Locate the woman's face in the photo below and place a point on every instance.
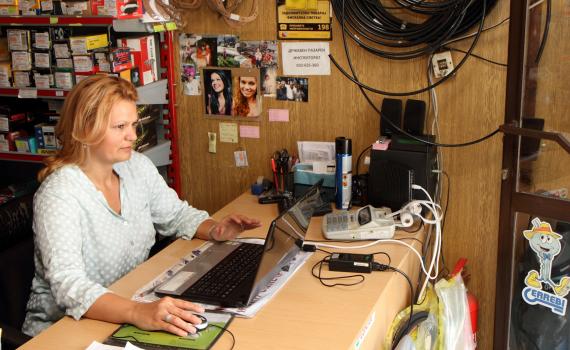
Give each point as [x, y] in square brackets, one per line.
[120, 135]
[248, 86]
[217, 82]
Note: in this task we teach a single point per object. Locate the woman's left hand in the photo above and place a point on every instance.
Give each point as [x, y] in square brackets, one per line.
[231, 226]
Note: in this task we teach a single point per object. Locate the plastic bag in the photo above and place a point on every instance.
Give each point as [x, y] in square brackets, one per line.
[455, 332]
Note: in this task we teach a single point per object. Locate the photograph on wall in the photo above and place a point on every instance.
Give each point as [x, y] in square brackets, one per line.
[199, 50]
[246, 101]
[218, 92]
[292, 89]
[257, 54]
[227, 51]
[191, 79]
[267, 77]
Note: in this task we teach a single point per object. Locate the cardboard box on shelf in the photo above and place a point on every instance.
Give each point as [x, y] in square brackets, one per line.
[82, 45]
[143, 53]
[26, 144]
[117, 8]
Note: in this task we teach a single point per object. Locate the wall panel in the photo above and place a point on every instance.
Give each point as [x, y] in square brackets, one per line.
[471, 105]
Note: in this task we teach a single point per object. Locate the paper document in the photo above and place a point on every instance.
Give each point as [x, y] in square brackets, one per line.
[315, 151]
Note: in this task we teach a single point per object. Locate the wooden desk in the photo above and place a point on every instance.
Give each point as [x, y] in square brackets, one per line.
[303, 315]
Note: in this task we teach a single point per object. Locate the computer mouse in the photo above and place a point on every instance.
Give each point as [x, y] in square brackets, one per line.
[201, 326]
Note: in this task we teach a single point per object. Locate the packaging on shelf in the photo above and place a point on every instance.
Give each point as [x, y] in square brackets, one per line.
[22, 79]
[41, 39]
[5, 73]
[9, 2]
[61, 50]
[143, 52]
[44, 79]
[29, 7]
[120, 59]
[26, 144]
[46, 7]
[64, 64]
[8, 140]
[18, 39]
[117, 8]
[82, 45]
[126, 74]
[63, 80]
[76, 8]
[11, 120]
[9, 10]
[42, 60]
[146, 135]
[102, 61]
[61, 34]
[45, 135]
[149, 112]
[21, 60]
[84, 64]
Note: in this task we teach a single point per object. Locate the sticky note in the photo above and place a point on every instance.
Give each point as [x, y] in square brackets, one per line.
[228, 132]
[278, 115]
[249, 131]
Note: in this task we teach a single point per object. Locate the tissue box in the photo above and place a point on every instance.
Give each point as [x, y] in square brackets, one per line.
[304, 178]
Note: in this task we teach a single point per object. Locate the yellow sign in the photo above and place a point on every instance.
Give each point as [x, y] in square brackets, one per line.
[306, 23]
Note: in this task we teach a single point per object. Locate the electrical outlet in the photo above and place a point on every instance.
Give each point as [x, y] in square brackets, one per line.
[212, 142]
[442, 64]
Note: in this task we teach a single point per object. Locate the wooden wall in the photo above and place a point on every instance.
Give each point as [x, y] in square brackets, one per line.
[471, 105]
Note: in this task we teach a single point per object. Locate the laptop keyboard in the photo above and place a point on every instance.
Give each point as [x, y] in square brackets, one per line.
[221, 280]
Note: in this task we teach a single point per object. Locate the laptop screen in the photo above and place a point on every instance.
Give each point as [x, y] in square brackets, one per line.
[285, 231]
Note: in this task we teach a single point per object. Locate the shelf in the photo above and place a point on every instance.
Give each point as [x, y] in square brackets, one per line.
[47, 20]
[153, 93]
[159, 154]
[32, 92]
[22, 156]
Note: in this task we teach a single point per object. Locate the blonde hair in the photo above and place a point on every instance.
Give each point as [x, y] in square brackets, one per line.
[84, 119]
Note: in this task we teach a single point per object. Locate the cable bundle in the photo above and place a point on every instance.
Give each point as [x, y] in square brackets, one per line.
[378, 29]
[226, 9]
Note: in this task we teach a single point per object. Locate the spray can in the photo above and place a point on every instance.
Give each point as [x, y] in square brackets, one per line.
[343, 178]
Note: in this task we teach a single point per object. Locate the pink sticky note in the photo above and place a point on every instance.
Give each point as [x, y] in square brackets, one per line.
[248, 131]
[278, 115]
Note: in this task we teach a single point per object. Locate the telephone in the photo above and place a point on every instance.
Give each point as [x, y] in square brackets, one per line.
[364, 223]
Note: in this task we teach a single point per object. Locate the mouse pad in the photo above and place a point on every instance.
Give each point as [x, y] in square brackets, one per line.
[159, 340]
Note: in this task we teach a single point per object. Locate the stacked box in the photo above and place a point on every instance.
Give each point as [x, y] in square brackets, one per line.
[143, 56]
[117, 8]
[29, 7]
[75, 8]
[83, 49]
[45, 136]
[146, 132]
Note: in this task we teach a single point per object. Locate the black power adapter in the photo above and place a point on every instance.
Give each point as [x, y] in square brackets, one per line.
[351, 262]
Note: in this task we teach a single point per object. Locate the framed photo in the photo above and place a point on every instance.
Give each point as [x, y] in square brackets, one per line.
[247, 93]
[218, 92]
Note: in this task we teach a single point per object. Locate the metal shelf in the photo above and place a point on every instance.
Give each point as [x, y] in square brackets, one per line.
[47, 20]
[22, 156]
[29, 92]
[153, 93]
[159, 154]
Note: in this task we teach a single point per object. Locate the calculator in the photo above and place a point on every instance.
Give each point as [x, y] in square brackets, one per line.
[364, 223]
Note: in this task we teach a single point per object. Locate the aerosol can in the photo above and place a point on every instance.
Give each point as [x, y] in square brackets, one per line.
[343, 176]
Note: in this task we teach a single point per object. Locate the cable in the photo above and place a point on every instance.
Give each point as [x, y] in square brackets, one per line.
[354, 79]
[321, 279]
[226, 330]
[476, 56]
[226, 9]
[546, 31]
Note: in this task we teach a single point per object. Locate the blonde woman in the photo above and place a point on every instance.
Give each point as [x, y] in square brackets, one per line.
[95, 215]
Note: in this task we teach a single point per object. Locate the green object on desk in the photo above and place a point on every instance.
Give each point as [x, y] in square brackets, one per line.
[152, 340]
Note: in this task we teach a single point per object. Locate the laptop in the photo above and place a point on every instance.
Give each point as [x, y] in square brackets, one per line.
[231, 274]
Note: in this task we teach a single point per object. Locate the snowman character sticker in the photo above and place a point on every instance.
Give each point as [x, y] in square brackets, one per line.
[546, 245]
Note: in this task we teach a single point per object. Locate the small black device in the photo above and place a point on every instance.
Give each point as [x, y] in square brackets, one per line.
[414, 117]
[201, 326]
[351, 262]
[391, 109]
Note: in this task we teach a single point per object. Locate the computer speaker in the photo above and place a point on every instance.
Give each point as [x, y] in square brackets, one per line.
[414, 117]
[391, 109]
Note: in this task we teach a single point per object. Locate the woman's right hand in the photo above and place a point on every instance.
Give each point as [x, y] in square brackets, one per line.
[169, 314]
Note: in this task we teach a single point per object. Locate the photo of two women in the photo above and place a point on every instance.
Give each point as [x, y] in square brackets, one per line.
[231, 94]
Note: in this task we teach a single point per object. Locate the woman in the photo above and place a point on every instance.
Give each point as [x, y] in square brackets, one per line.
[95, 215]
[245, 99]
[219, 97]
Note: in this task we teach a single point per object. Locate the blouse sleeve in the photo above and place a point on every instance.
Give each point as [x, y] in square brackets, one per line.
[58, 240]
[170, 214]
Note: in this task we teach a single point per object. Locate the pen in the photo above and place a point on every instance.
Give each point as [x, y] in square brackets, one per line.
[274, 168]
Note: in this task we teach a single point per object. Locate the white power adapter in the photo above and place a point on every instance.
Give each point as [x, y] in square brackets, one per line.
[442, 64]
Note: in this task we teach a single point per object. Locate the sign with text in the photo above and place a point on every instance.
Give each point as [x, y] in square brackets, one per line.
[306, 58]
[310, 22]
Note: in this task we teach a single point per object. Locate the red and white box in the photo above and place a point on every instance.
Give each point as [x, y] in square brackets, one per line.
[143, 53]
[117, 8]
